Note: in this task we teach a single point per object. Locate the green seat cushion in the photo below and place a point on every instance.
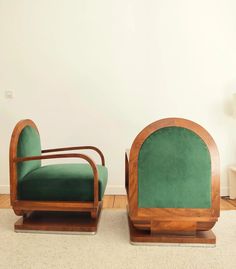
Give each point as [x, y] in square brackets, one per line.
[28, 145]
[62, 182]
[174, 170]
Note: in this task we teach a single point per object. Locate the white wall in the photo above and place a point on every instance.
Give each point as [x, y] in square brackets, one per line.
[98, 71]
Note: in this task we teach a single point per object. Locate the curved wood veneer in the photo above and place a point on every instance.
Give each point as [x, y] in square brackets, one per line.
[177, 219]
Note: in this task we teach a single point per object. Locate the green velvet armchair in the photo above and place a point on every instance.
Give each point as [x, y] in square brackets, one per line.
[38, 191]
[172, 182]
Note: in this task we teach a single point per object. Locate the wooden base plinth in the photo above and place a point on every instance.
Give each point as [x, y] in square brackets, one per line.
[144, 237]
[58, 222]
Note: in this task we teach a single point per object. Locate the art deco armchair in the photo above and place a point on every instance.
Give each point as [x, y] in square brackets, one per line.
[172, 182]
[59, 197]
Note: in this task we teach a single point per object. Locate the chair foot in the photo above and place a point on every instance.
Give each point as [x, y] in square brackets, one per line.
[94, 214]
[58, 222]
[19, 212]
[143, 237]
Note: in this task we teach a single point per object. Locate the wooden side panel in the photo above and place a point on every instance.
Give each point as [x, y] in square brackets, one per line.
[173, 227]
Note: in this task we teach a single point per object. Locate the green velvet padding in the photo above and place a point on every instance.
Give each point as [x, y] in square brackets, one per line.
[62, 182]
[28, 145]
[174, 170]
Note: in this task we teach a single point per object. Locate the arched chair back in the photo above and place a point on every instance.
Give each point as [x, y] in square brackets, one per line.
[173, 178]
[25, 142]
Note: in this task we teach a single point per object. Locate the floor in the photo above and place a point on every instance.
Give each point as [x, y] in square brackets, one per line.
[120, 201]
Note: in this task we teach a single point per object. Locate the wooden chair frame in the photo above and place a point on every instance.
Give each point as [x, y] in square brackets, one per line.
[22, 207]
[154, 219]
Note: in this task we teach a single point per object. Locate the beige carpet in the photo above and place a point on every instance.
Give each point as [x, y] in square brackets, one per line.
[110, 248]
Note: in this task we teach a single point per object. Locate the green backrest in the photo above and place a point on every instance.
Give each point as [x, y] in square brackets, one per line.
[28, 145]
[174, 170]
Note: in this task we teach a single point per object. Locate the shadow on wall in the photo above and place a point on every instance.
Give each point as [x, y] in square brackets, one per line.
[230, 105]
[230, 101]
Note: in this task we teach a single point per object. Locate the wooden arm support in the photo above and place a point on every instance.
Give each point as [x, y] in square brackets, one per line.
[68, 155]
[77, 148]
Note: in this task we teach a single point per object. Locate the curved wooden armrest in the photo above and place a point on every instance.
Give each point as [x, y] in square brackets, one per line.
[68, 155]
[77, 148]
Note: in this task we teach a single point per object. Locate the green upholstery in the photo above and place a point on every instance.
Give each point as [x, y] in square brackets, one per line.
[28, 145]
[62, 182]
[174, 170]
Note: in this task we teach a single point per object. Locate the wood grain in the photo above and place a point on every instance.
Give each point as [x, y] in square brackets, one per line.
[139, 236]
[173, 227]
[77, 148]
[108, 202]
[58, 222]
[5, 201]
[180, 215]
[120, 201]
[231, 202]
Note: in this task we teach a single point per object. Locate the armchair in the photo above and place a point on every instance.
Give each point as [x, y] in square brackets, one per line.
[58, 197]
[172, 183]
